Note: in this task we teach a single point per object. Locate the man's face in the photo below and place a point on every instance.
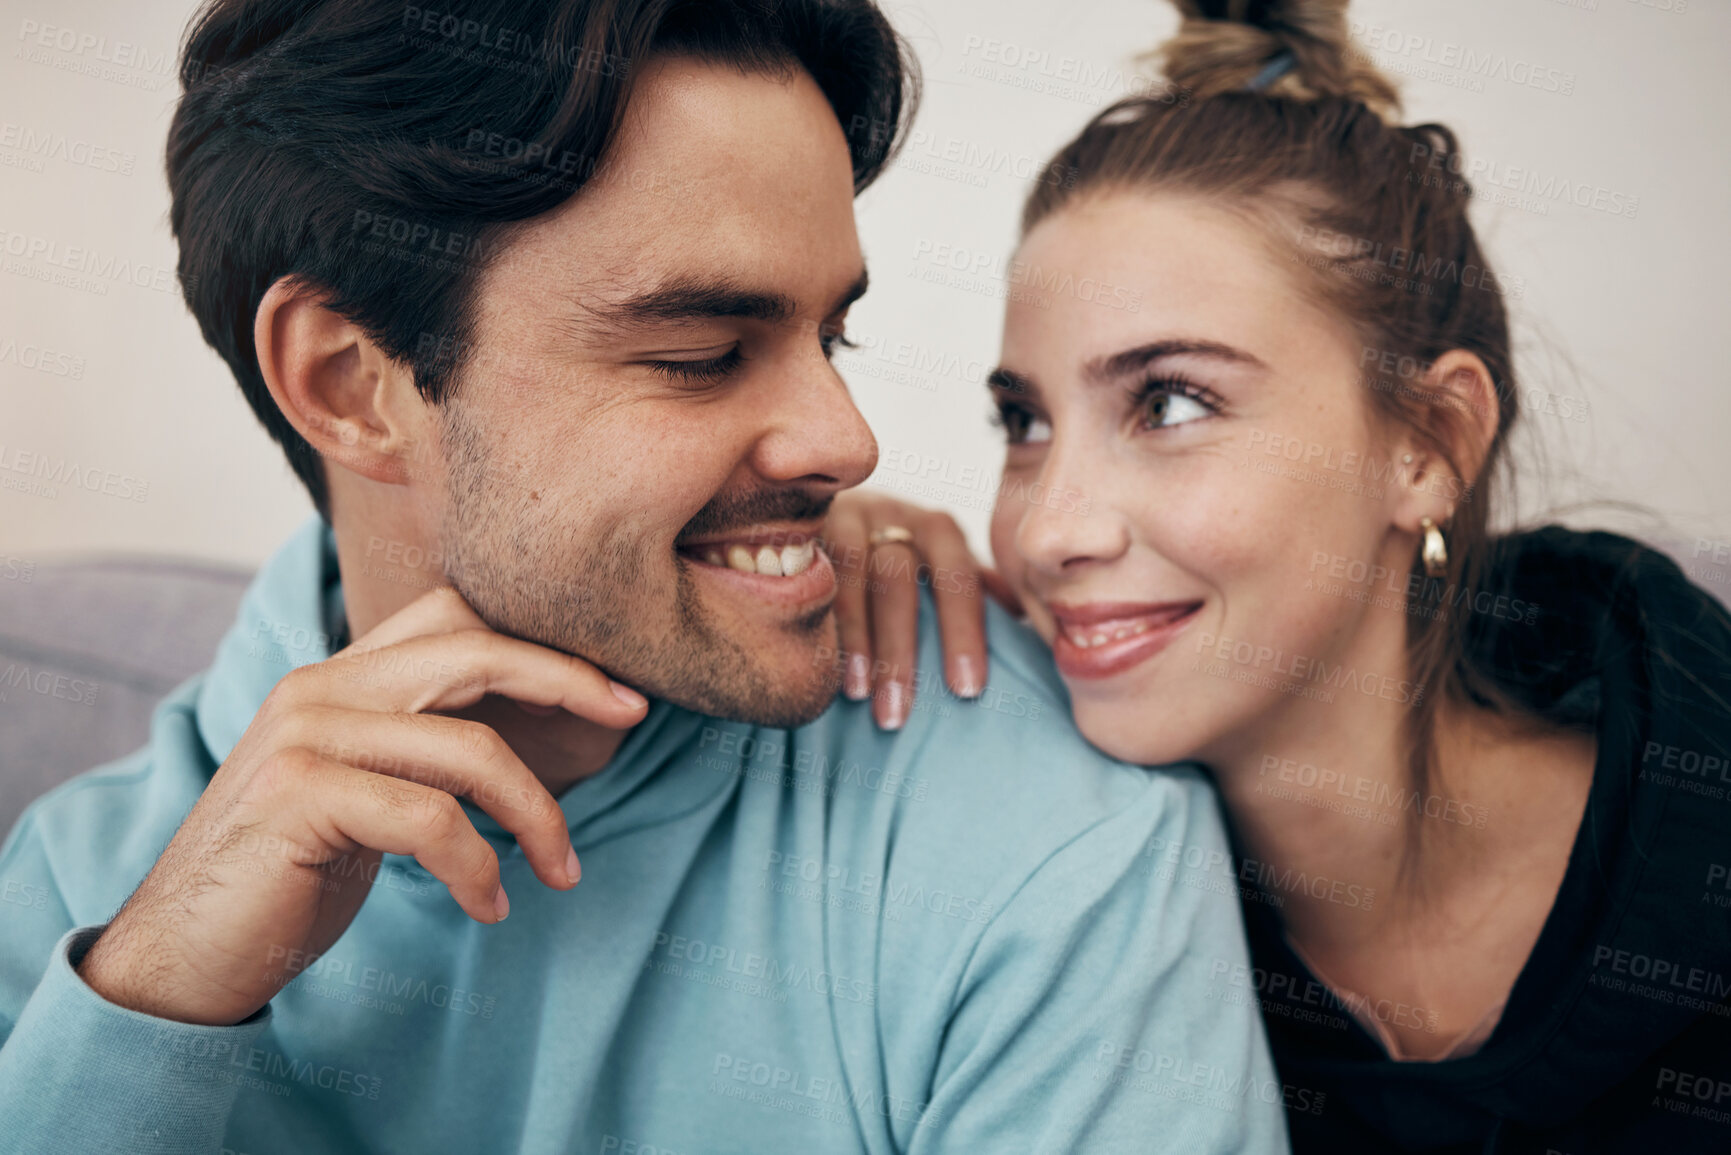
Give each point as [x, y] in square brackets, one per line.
[651, 396]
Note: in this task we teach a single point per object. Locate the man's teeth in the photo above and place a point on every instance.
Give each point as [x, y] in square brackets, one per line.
[1101, 637]
[788, 561]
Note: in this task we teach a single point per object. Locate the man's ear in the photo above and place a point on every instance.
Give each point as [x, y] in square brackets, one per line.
[353, 404]
[1444, 465]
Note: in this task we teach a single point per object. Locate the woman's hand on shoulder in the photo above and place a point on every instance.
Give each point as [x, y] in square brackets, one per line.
[884, 549]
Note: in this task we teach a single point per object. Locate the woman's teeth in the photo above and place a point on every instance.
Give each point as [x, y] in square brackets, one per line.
[788, 561]
[1099, 637]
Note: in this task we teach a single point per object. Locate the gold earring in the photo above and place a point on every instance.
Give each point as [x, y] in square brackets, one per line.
[1436, 551]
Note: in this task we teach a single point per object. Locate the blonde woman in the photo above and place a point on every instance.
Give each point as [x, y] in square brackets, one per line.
[1478, 782]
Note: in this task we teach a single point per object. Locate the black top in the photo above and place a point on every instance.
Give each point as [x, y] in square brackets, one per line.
[1617, 1033]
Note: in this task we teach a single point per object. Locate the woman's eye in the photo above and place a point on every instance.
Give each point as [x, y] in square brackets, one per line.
[833, 341]
[1163, 408]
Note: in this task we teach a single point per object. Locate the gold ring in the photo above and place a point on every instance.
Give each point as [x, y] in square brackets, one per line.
[892, 534]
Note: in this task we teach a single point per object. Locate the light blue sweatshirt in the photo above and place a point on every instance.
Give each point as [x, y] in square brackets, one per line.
[975, 935]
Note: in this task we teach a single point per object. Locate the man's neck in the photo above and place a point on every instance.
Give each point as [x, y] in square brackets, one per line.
[560, 749]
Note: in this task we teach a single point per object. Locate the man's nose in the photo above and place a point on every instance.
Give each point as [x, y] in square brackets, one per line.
[816, 434]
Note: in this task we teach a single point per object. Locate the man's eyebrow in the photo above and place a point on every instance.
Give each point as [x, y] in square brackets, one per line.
[697, 299]
[1102, 369]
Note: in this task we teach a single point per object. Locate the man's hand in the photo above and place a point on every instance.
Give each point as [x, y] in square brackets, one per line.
[284, 844]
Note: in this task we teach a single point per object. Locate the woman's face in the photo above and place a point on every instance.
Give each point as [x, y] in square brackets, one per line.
[1192, 478]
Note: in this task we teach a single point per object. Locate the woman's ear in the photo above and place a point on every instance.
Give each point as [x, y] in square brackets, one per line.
[354, 405]
[1440, 469]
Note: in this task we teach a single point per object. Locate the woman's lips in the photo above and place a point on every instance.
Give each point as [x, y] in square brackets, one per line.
[1099, 639]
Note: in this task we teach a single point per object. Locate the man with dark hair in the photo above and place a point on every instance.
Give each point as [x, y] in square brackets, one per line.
[539, 297]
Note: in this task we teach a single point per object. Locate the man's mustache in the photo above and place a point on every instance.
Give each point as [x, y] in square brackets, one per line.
[736, 512]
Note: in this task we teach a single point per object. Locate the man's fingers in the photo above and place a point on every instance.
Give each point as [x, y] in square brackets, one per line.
[447, 672]
[895, 616]
[381, 813]
[845, 538]
[441, 610]
[956, 595]
[455, 755]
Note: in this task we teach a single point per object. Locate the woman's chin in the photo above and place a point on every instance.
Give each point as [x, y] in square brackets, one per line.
[1121, 730]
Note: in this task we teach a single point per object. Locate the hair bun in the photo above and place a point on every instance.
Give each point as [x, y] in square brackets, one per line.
[1222, 44]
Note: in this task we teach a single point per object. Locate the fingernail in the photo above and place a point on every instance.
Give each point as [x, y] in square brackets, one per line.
[501, 905]
[895, 700]
[859, 677]
[968, 680]
[629, 696]
[573, 870]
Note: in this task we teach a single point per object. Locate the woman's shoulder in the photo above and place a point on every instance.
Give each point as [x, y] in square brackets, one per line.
[1593, 562]
[1594, 589]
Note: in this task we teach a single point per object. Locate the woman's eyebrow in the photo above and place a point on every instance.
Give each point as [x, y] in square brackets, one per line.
[1129, 361]
[1009, 381]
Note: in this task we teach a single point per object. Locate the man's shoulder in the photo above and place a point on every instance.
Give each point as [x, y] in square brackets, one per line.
[1006, 774]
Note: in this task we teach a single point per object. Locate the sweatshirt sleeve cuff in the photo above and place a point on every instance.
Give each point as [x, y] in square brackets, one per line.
[80, 1073]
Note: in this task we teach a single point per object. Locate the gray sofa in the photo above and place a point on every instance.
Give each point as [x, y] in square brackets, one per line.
[87, 649]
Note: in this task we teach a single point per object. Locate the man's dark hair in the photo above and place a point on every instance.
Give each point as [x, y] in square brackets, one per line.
[381, 151]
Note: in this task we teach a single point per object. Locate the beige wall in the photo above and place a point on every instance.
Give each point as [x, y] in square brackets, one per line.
[1620, 318]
